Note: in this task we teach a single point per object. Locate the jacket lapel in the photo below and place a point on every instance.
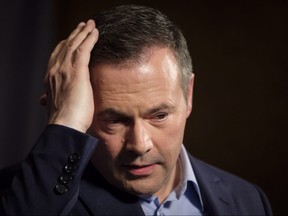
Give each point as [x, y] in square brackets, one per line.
[101, 198]
[217, 199]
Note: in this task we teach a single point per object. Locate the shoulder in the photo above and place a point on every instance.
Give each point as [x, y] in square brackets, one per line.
[204, 168]
[245, 196]
[215, 174]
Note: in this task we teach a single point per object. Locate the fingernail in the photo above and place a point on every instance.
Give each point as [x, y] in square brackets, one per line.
[89, 22]
[81, 24]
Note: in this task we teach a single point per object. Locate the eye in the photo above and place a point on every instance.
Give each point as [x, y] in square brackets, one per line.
[116, 121]
[112, 125]
[113, 121]
[160, 116]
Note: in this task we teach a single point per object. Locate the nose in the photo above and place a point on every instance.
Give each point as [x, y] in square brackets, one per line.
[138, 139]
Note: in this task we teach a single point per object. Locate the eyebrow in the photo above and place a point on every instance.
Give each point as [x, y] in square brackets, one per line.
[160, 107]
[111, 112]
[117, 113]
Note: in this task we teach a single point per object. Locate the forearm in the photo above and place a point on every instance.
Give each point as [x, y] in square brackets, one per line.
[33, 190]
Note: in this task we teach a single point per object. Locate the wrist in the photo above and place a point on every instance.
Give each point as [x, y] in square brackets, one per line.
[70, 123]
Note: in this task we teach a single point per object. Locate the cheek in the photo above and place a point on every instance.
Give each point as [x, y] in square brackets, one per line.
[111, 145]
[170, 139]
[176, 128]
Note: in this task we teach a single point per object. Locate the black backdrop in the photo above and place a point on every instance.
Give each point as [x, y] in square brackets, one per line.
[239, 120]
[27, 36]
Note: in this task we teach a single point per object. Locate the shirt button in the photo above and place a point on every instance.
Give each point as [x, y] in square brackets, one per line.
[74, 158]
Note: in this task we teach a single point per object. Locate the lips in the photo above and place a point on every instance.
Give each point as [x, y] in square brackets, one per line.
[140, 170]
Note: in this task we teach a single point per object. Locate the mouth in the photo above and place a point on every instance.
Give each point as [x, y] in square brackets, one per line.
[140, 170]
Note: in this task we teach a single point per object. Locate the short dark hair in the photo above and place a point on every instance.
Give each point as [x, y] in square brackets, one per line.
[126, 31]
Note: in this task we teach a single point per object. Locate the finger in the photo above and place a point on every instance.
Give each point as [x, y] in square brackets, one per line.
[79, 27]
[65, 49]
[74, 43]
[90, 40]
[55, 54]
[82, 56]
[58, 53]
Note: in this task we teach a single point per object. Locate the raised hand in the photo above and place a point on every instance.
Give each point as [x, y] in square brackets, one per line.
[69, 95]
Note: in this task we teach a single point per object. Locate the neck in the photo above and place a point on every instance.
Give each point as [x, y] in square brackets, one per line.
[171, 183]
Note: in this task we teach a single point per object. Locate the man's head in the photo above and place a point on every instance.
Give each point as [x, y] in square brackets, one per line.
[140, 109]
[127, 31]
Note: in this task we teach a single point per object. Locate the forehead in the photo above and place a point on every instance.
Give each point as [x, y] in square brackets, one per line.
[137, 87]
[155, 64]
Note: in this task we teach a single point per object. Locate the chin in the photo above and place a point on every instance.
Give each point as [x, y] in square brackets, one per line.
[139, 187]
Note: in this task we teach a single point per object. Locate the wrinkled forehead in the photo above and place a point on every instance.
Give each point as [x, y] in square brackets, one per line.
[151, 60]
[138, 56]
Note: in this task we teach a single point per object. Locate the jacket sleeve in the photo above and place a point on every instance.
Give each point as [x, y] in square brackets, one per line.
[47, 181]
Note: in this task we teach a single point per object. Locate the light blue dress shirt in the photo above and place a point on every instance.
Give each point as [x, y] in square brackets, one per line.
[185, 199]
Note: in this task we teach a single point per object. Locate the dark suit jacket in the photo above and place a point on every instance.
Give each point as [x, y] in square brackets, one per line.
[38, 187]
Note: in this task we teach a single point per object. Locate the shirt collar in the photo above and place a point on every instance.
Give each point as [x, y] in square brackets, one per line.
[187, 177]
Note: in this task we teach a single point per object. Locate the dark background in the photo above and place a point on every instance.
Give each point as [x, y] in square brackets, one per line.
[239, 50]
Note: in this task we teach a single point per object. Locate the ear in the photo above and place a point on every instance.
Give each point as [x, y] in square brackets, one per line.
[190, 96]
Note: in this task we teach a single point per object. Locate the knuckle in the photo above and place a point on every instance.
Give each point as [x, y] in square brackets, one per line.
[59, 46]
[63, 42]
[57, 73]
[80, 50]
[63, 70]
[49, 73]
[70, 47]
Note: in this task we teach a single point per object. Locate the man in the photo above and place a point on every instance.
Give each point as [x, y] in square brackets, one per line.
[118, 98]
